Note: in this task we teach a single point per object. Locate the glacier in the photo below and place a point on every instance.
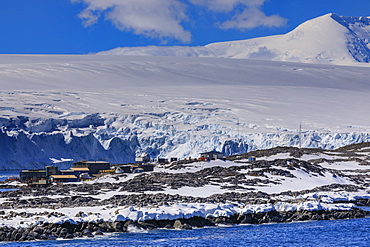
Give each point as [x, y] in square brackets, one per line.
[61, 109]
[22, 149]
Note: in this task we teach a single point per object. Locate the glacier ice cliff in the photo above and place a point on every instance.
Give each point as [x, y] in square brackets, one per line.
[33, 143]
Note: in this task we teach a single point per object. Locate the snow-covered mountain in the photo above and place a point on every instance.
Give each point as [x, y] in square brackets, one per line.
[63, 108]
[329, 39]
[172, 51]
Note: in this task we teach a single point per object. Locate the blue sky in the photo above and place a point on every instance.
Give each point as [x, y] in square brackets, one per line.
[88, 26]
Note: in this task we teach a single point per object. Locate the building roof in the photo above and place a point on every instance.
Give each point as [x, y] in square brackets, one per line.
[68, 170]
[94, 162]
[144, 155]
[33, 170]
[63, 176]
[80, 169]
[212, 152]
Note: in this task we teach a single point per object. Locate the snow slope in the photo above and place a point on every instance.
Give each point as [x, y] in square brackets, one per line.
[329, 39]
[174, 51]
[326, 39]
[64, 108]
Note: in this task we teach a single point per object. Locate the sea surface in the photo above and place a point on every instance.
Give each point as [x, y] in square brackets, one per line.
[313, 233]
[5, 174]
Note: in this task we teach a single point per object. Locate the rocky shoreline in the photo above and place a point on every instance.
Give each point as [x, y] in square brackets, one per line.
[187, 195]
[70, 229]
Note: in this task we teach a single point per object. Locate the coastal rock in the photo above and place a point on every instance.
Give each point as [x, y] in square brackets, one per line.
[69, 236]
[199, 222]
[63, 232]
[98, 233]
[81, 214]
[180, 224]
[87, 233]
[120, 226]
[68, 230]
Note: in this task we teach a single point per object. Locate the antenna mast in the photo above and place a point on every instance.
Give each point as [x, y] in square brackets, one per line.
[238, 130]
[300, 136]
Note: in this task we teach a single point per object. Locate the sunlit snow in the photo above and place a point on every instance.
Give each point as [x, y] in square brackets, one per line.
[173, 106]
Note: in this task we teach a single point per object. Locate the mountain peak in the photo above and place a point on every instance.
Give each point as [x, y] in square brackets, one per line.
[358, 36]
[348, 20]
[328, 39]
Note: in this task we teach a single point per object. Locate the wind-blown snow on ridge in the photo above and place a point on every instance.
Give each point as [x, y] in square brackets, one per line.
[328, 39]
[174, 51]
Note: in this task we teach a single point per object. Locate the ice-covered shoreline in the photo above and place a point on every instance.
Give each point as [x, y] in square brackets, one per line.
[89, 222]
[189, 210]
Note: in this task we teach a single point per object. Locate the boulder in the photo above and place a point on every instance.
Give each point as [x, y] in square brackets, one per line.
[81, 214]
[69, 236]
[199, 222]
[178, 224]
[16, 236]
[119, 226]
[63, 232]
[96, 233]
[87, 233]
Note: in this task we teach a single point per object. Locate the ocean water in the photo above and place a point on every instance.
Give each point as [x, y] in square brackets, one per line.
[5, 174]
[354, 232]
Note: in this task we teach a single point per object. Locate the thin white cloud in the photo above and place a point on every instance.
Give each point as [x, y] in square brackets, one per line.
[227, 5]
[251, 15]
[153, 18]
[217, 5]
[164, 19]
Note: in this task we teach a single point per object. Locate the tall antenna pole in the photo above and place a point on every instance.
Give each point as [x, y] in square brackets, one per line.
[300, 136]
[238, 130]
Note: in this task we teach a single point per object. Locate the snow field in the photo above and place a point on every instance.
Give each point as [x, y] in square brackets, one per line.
[179, 107]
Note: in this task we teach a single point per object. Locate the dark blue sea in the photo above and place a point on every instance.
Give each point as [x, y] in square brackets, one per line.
[5, 174]
[314, 233]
